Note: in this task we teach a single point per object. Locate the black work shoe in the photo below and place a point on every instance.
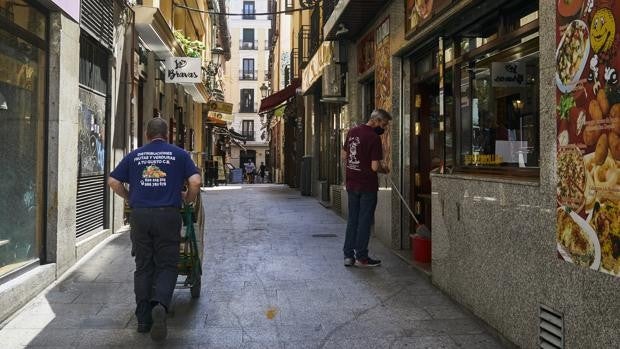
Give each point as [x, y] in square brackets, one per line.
[159, 331]
[349, 261]
[367, 262]
[144, 327]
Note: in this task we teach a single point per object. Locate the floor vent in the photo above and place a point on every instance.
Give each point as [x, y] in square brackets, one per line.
[324, 235]
[550, 329]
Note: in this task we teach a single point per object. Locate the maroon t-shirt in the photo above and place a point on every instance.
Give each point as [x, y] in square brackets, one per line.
[362, 145]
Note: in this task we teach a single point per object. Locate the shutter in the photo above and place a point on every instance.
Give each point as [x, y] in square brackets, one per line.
[97, 18]
[90, 211]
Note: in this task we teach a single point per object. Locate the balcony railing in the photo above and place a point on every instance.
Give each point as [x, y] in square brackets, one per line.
[248, 45]
[303, 38]
[243, 108]
[248, 74]
[249, 135]
[316, 35]
[294, 64]
[328, 8]
[249, 15]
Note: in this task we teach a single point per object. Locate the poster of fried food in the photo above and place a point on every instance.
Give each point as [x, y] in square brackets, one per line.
[588, 134]
[418, 12]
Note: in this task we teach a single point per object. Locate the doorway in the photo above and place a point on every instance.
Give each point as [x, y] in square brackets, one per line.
[427, 144]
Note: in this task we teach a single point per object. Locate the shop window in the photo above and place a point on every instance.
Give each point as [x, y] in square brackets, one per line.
[22, 134]
[499, 109]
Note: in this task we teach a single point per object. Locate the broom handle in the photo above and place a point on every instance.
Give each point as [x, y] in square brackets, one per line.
[402, 199]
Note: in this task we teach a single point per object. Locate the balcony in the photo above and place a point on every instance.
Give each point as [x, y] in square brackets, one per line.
[316, 33]
[252, 108]
[249, 75]
[294, 64]
[249, 15]
[248, 45]
[254, 136]
[289, 6]
[303, 38]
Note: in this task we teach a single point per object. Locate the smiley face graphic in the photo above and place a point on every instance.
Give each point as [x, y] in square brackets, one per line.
[602, 30]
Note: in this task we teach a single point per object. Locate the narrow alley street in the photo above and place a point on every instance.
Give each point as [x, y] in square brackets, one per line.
[273, 279]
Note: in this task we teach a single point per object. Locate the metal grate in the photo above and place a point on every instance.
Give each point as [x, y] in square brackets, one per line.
[97, 17]
[90, 209]
[550, 329]
[337, 206]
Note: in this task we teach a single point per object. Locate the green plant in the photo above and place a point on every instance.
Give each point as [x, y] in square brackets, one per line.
[193, 48]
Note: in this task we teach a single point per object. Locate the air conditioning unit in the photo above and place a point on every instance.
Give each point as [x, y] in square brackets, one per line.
[334, 82]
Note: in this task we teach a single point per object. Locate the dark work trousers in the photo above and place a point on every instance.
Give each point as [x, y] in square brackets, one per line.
[362, 207]
[155, 238]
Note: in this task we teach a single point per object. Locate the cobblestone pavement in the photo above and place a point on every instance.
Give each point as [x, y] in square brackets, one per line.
[273, 279]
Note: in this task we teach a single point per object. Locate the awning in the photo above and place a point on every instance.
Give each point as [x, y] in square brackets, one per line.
[198, 92]
[354, 14]
[271, 102]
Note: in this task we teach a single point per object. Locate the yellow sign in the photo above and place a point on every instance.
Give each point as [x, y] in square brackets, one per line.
[220, 107]
[313, 71]
[221, 116]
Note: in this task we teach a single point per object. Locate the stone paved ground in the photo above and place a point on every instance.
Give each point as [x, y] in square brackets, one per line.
[268, 283]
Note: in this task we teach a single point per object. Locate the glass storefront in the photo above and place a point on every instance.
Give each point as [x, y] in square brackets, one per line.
[22, 133]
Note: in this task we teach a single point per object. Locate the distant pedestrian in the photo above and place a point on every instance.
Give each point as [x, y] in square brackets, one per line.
[362, 153]
[156, 174]
[250, 169]
[261, 172]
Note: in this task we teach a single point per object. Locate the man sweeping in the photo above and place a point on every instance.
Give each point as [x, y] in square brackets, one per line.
[156, 174]
[362, 153]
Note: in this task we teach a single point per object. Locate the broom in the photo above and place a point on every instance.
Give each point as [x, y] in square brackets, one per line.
[420, 228]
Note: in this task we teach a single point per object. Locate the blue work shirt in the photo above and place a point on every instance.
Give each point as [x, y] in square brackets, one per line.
[156, 173]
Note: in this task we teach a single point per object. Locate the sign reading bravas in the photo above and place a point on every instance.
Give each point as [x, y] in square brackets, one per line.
[183, 70]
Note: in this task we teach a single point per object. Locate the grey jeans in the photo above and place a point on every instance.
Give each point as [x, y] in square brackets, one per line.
[155, 238]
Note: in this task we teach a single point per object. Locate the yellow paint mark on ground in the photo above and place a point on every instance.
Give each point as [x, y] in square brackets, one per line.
[271, 313]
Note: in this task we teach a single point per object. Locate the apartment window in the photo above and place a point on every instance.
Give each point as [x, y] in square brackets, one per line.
[247, 41]
[247, 100]
[248, 72]
[247, 129]
[249, 10]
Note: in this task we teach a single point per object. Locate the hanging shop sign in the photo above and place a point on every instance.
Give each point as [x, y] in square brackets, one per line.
[183, 70]
[313, 71]
[366, 53]
[588, 134]
[418, 12]
[221, 116]
[220, 107]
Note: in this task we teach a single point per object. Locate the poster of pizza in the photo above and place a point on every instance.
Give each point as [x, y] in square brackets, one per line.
[588, 134]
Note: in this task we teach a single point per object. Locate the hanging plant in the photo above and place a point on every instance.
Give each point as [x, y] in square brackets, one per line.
[192, 48]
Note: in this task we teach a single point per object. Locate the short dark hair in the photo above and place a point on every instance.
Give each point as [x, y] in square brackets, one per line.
[380, 114]
[157, 127]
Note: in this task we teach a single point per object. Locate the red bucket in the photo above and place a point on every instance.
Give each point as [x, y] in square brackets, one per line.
[420, 249]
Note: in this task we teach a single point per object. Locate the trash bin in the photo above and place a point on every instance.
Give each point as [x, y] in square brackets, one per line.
[420, 248]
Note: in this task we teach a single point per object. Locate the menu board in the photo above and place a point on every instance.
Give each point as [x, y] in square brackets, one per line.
[588, 134]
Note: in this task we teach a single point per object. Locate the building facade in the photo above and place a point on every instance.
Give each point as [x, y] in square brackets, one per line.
[246, 72]
[79, 80]
[478, 146]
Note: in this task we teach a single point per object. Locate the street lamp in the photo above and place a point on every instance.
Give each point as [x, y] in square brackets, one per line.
[264, 90]
[216, 55]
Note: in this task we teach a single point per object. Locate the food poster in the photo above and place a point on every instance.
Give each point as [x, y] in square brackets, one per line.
[588, 134]
[383, 82]
[418, 12]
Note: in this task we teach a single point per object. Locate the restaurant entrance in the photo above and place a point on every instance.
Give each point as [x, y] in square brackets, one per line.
[426, 145]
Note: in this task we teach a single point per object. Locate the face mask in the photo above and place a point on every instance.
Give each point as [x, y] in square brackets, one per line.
[379, 130]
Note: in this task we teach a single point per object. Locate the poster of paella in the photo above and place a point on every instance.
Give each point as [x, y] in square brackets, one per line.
[588, 133]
